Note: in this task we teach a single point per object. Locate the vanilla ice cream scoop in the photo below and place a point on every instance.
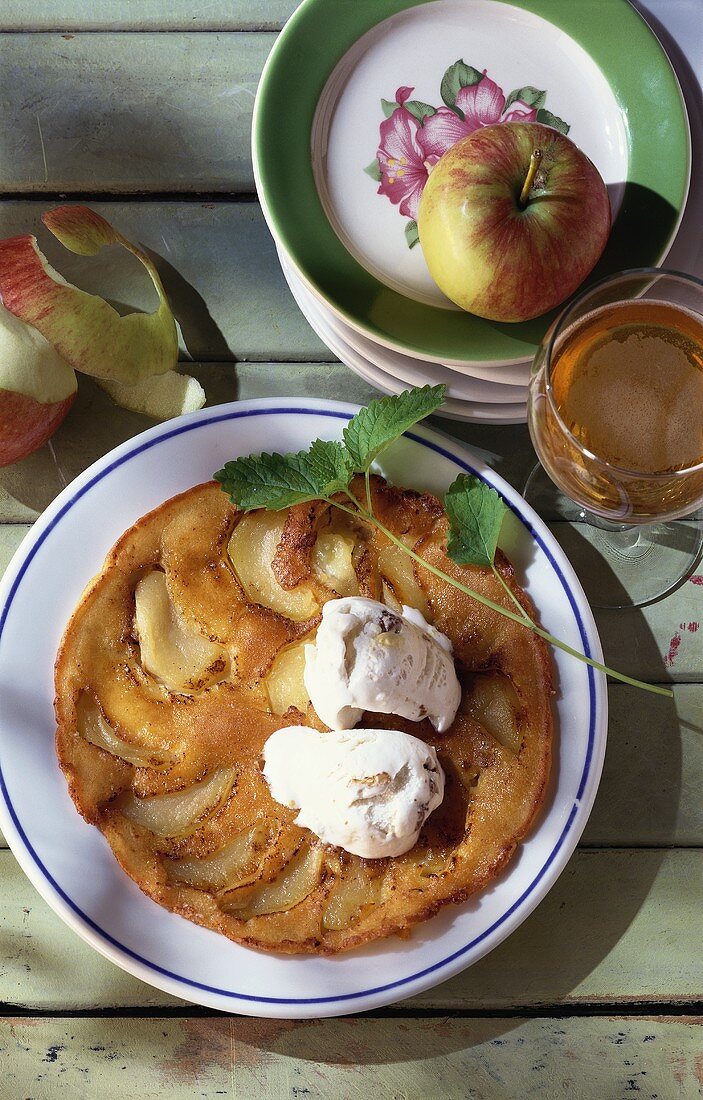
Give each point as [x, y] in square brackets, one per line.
[368, 791]
[366, 657]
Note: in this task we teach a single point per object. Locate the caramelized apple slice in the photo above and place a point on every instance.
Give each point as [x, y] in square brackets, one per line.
[237, 864]
[333, 565]
[284, 682]
[298, 879]
[351, 894]
[398, 572]
[493, 701]
[180, 813]
[171, 651]
[94, 727]
[426, 861]
[251, 551]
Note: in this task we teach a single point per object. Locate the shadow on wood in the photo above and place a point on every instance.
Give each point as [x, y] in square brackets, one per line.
[93, 427]
[202, 337]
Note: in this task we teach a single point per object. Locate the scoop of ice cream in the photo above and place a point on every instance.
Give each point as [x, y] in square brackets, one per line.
[367, 657]
[368, 791]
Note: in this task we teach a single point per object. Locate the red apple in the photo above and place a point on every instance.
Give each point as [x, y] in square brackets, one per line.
[37, 388]
[512, 219]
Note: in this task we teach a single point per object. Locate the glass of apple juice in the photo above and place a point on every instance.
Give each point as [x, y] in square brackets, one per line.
[615, 412]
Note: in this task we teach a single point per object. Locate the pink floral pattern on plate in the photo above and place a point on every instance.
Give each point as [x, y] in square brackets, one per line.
[414, 135]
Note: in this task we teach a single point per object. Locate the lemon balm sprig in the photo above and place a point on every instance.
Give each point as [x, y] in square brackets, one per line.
[327, 468]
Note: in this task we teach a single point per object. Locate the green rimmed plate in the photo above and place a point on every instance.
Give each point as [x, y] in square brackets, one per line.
[384, 85]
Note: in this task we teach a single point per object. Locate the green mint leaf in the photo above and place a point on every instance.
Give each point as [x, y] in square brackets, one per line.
[548, 119]
[389, 107]
[475, 515]
[420, 110]
[458, 76]
[385, 420]
[411, 234]
[532, 97]
[329, 465]
[373, 170]
[475, 510]
[279, 481]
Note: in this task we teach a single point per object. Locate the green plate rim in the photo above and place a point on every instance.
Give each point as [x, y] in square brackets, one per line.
[644, 84]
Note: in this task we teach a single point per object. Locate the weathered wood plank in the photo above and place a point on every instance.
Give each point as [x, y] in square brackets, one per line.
[660, 642]
[147, 15]
[128, 112]
[95, 425]
[218, 264]
[650, 793]
[351, 1059]
[577, 947]
[11, 535]
[653, 775]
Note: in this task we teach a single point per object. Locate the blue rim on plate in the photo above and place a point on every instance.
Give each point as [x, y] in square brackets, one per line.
[179, 984]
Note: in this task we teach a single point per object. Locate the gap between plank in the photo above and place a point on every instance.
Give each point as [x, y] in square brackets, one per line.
[625, 1009]
[38, 194]
[176, 28]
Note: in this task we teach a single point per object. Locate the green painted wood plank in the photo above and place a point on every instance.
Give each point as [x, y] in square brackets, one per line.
[11, 536]
[618, 926]
[353, 1059]
[128, 112]
[663, 641]
[147, 15]
[650, 793]
[218, 264]
[95, 425]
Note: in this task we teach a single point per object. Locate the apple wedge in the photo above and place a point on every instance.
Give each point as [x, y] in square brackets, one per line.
[85, 331]
[37, 388]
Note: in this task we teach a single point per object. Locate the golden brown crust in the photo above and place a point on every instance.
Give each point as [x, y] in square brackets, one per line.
[291, 562]
[492, 793]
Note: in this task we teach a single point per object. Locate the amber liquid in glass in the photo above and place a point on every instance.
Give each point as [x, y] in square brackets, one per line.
[627, 380]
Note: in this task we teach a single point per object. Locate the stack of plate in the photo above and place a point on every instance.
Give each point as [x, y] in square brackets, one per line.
[355, 104]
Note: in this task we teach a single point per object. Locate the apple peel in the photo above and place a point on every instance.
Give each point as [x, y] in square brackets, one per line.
[84, 329]
[161, 396]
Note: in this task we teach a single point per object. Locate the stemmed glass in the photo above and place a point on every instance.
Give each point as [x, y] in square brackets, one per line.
[615, 412]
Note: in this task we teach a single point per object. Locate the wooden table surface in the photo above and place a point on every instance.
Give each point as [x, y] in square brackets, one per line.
[143, 109]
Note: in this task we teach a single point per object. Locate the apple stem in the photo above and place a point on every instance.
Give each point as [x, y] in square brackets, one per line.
[529, 178]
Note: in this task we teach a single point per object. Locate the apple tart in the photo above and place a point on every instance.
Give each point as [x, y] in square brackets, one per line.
[186, 653]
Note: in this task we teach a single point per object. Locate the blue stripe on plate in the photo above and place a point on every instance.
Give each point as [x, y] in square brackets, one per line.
[363, 992]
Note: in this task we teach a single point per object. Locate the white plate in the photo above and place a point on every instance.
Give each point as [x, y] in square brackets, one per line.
[357, 101]
[416, 374]
[414, 48]
[487, 384]
[70, 862]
